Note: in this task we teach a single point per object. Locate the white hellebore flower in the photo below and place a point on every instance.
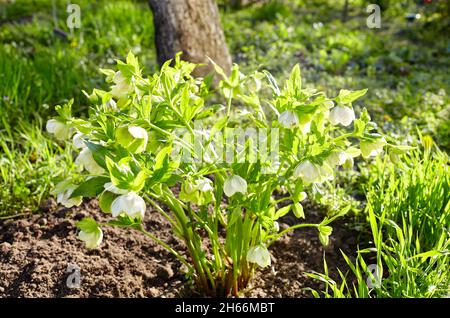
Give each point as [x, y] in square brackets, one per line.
[64, 198]
[122, 87]
[77, 140]
[109, 186]
[288, 119]
[308, 172]
[130, 204]
[86, 160]
[372, 148]
[235, 184]
[92, 239]
[59, 129]
[342, 115]
[259, 255]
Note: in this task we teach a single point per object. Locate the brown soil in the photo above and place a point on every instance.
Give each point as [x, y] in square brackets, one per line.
[35, 254]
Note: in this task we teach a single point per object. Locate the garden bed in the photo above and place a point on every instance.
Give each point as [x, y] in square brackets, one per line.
[36, 251]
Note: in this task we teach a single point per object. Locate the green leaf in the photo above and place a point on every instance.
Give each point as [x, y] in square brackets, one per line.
[90, 188]
[87, 225]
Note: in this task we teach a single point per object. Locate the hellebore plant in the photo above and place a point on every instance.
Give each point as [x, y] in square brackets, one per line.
[224, 208]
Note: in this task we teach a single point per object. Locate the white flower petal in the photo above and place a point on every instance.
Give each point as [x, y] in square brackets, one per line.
[337, 158]
[235, 184]
[204, 185]
[138, 132]
[64, 198]
[60, 130]
[77, 140]
[372, 148]
[130, 204]
[86, 160]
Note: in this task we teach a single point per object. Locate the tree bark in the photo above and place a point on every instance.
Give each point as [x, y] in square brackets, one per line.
[193, 28]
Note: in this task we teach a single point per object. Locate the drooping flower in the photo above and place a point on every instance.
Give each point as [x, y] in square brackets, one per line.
[342, 115]
[133, 138]
[86, 160]
[308, 172]
[288, 119]
[235, 184]
[259, 255]
[122, 86]
[92, 239]
[372, 148]
[64, 198]
[59, 129]
[77, 140]
[130, 204]
[306, 127]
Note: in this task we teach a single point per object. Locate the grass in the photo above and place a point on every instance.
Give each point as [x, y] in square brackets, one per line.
[408, 211]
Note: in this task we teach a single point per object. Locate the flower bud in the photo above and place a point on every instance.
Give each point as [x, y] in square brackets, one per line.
[130, 204]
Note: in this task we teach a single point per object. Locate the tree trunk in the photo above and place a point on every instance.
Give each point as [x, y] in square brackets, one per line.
[193, 28]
